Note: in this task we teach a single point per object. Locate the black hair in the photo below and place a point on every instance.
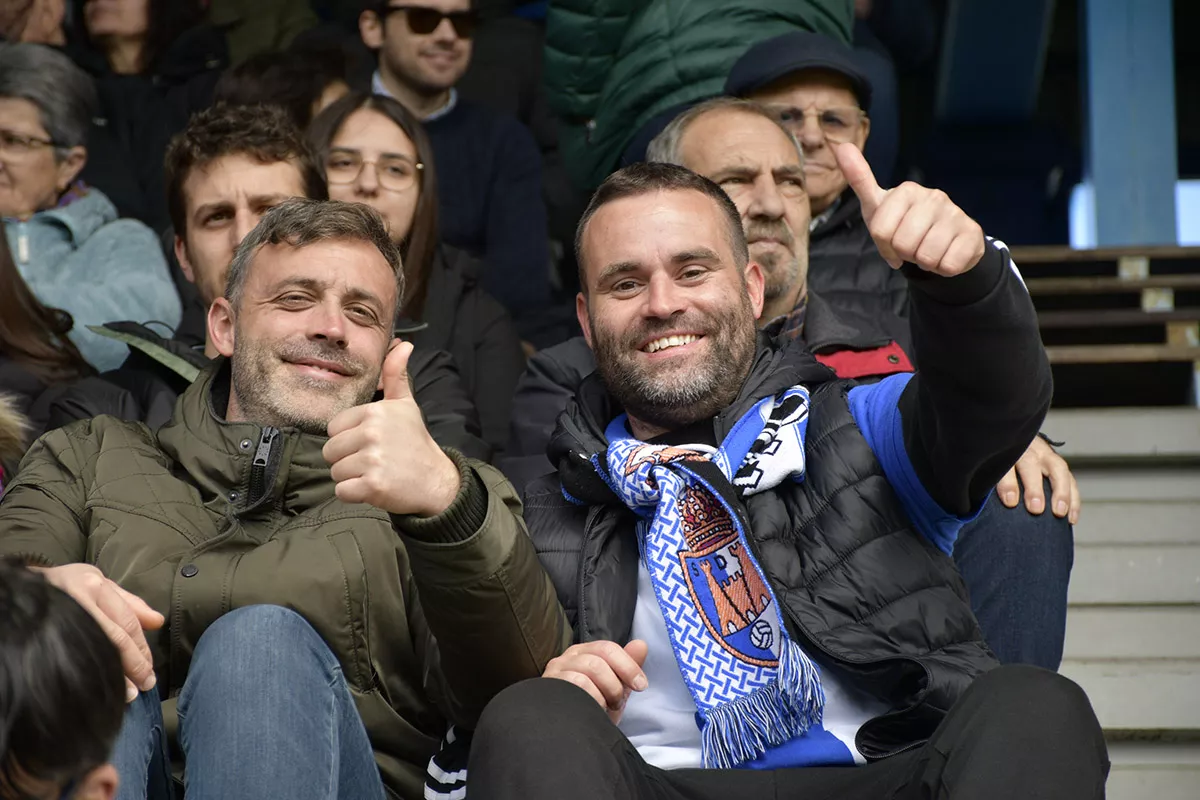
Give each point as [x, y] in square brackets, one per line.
[62, 688]
[644, 178]
[293, 80]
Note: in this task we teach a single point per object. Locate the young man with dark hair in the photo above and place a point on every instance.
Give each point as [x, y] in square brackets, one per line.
[61, 694]
[228, 168]
[312, 585]
[488, 165]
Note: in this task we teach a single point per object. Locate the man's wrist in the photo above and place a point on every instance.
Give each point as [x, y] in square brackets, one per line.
[459, 521]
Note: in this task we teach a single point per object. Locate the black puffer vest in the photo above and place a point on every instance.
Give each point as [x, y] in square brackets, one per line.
[861, 588]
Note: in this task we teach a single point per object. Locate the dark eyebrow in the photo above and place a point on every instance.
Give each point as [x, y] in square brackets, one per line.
[255, 200]
[358, 152]
[354, 295]
[790, 171]
[618, 268]
[701, 255]
[740, 170]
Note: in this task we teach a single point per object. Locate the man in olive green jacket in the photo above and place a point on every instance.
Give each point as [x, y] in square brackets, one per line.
[295, 565]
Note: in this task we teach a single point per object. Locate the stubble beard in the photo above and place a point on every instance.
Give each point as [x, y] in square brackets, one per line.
[266, 398]
[673, 396]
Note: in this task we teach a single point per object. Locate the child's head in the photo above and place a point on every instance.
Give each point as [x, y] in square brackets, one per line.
[62, 693]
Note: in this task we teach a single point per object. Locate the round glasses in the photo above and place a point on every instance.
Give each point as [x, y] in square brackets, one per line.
[394, 173]
[838, 124]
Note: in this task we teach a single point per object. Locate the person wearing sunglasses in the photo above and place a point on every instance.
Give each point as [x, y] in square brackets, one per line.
[489, 167]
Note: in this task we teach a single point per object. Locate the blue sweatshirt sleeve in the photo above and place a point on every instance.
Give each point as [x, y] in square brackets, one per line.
[876, 411]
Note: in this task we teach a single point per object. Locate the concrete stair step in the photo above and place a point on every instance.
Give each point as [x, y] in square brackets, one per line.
[1125, 434]
[1154, 771]
[1096, 633]
[1133, 574]
[1141, 695]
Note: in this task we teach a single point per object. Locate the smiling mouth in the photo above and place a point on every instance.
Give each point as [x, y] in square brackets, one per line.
[322, 367]
[667, 342]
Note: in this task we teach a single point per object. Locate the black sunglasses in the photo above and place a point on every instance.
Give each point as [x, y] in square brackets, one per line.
[422, 20]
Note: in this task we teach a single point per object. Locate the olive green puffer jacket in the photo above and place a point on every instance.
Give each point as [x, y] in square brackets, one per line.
[612, 65]
[429, 618]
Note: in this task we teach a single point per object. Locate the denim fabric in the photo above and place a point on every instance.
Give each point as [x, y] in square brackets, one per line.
[264, 712]
[140, 753]
[1017, 566]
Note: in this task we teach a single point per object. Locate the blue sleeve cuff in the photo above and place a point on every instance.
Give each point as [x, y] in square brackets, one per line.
[876, 411]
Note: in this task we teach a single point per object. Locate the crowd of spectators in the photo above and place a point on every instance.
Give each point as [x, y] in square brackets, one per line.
[299, 299]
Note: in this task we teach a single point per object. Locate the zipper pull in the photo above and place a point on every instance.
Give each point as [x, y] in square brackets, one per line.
[263, 454]
[258, 468]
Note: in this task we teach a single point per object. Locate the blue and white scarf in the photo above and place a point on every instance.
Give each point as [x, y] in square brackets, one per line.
[754, 687]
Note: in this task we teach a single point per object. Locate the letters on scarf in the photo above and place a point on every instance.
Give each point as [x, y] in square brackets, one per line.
[754, 688]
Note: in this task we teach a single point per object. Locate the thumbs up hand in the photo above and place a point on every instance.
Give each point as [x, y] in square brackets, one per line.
[381, 453]
[912, 223]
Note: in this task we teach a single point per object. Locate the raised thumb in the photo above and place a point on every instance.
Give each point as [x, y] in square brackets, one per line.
[394, 378]
[860, 177]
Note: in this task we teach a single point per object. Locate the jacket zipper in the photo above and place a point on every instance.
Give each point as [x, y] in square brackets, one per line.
[258, 469]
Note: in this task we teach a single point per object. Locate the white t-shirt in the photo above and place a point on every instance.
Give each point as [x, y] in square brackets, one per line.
[661, 721]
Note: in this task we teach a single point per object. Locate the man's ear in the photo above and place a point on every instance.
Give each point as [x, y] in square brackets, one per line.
[581, 314]
[70, 167]
[370, 28]
[221, 324]
[99, 784]
[185, 263]
[864, 132]
[754, 287]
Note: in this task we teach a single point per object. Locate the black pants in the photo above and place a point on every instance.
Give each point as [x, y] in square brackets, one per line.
[1018, 733]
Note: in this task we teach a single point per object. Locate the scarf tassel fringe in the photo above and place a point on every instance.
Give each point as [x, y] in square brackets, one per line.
[739, 732]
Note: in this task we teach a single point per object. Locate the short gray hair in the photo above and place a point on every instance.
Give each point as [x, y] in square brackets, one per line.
[63, 93]
[300, 222]
[664, 148]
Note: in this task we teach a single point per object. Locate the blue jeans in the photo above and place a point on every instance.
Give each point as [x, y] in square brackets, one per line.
[1017, 566]
[264, 712]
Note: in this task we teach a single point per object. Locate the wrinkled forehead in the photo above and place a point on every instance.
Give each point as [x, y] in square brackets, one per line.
[237, 179]
[822, 87]
[340, 267]
[736, 139]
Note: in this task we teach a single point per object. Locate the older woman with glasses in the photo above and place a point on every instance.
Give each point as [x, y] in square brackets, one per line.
[375, 152]
[68, 244]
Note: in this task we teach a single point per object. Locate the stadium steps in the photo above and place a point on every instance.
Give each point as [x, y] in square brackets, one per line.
[1133, 623]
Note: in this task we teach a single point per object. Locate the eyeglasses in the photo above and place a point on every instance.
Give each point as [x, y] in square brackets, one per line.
[15, 144]
[838, 124]
[422, 20]
[394, 173]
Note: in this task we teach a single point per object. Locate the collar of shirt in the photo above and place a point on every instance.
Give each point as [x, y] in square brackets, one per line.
[823, 217]
[378, 87]
[790, 324]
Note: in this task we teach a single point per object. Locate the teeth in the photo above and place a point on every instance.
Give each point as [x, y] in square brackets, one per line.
[670, 341]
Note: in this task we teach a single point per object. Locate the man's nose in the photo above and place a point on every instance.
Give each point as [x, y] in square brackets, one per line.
[765, 200]
[328, 323]
[809, 132]
[244, 222]
[664, 298]
[444, 33]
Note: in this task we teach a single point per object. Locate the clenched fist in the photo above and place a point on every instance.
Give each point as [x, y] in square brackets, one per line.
[912, 223]
[380, 453]
[605, 670]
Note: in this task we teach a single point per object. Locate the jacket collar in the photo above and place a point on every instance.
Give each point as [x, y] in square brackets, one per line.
[777, 365]
[219, 456]
[848, 210]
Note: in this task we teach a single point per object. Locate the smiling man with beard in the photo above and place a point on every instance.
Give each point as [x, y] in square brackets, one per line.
[755, 555]
[292, 569]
